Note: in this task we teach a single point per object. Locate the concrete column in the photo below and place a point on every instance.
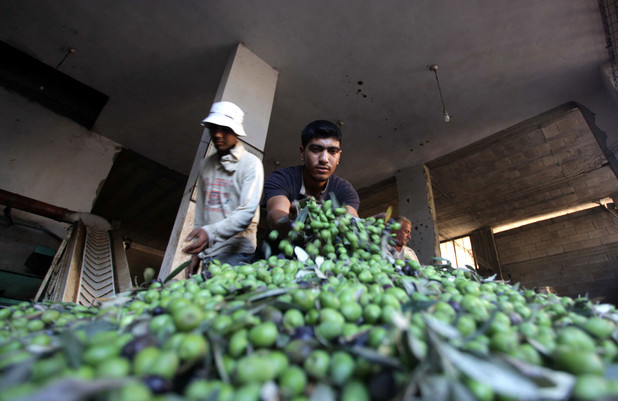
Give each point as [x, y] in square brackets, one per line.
[416, 203]
[250, 83]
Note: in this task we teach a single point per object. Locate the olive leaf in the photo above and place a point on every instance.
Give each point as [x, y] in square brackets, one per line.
[275, 292]
[443, 329]
[539, 347]
[17, 373]
[435, 388]
[502, 378]
[269, 392]
[409, 285]
[72, 389]
[319, 273]
[416, 347]
[553, 385]
[460, 392]
[322, 392]
[385, 248]
[301, 255]
[305, 272]
[400, 320]
[72, 346]
[374, 356]
[176, 271]
[302, 215]
[389, 212]
[217, 352]
[118, 300]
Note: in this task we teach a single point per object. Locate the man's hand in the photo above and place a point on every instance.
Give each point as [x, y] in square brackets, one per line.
[294, 208]
[278, 211]
[199, 245]
[193, 266]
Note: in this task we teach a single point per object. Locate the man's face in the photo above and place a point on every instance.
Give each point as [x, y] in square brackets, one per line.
[321, 157]
[222, 137]
[403, 234]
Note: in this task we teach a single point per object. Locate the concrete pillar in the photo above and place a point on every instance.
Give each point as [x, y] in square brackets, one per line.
[250, 83]
[416, 203]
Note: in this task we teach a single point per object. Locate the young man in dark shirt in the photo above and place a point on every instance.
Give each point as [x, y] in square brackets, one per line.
[320, 151]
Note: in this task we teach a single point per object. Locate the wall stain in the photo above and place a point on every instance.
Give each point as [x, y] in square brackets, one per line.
[359, 91]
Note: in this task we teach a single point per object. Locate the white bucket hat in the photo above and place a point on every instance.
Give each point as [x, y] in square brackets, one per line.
[226, 114]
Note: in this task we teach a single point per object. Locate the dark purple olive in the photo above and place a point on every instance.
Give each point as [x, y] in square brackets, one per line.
[516, 318]
[137, 344]
[361, 339]
[455, 305]
[158, 310]
[303, 333]
[157, 384]
[382, 386]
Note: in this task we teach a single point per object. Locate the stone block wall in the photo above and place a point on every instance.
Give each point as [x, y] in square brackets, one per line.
[575, 254]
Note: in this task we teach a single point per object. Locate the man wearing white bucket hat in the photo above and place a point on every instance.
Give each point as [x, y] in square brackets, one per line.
[229, 188]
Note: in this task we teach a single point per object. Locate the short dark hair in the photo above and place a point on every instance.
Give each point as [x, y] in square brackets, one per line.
[320, 129]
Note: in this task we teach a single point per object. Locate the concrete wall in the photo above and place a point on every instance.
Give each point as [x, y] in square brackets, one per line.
[378, 197]
[576, 254]
[49, 158]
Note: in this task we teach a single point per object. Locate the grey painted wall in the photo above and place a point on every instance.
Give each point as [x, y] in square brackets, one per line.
[50, 158]
[416, 203]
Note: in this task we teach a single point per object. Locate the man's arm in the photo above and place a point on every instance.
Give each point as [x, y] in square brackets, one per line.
[278, 213]
[352, 211]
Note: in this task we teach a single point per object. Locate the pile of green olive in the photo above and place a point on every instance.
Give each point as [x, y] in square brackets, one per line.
[328, 317]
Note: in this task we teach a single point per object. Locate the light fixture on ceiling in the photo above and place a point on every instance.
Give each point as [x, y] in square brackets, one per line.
[447, 117]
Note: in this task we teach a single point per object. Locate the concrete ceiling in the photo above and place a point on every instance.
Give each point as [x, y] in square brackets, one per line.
[362, 62]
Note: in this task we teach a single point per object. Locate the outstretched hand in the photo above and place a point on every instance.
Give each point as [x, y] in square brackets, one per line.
[294, 208]
[200, 243]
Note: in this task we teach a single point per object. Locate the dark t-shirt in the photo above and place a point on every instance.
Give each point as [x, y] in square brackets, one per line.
[289, 181]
